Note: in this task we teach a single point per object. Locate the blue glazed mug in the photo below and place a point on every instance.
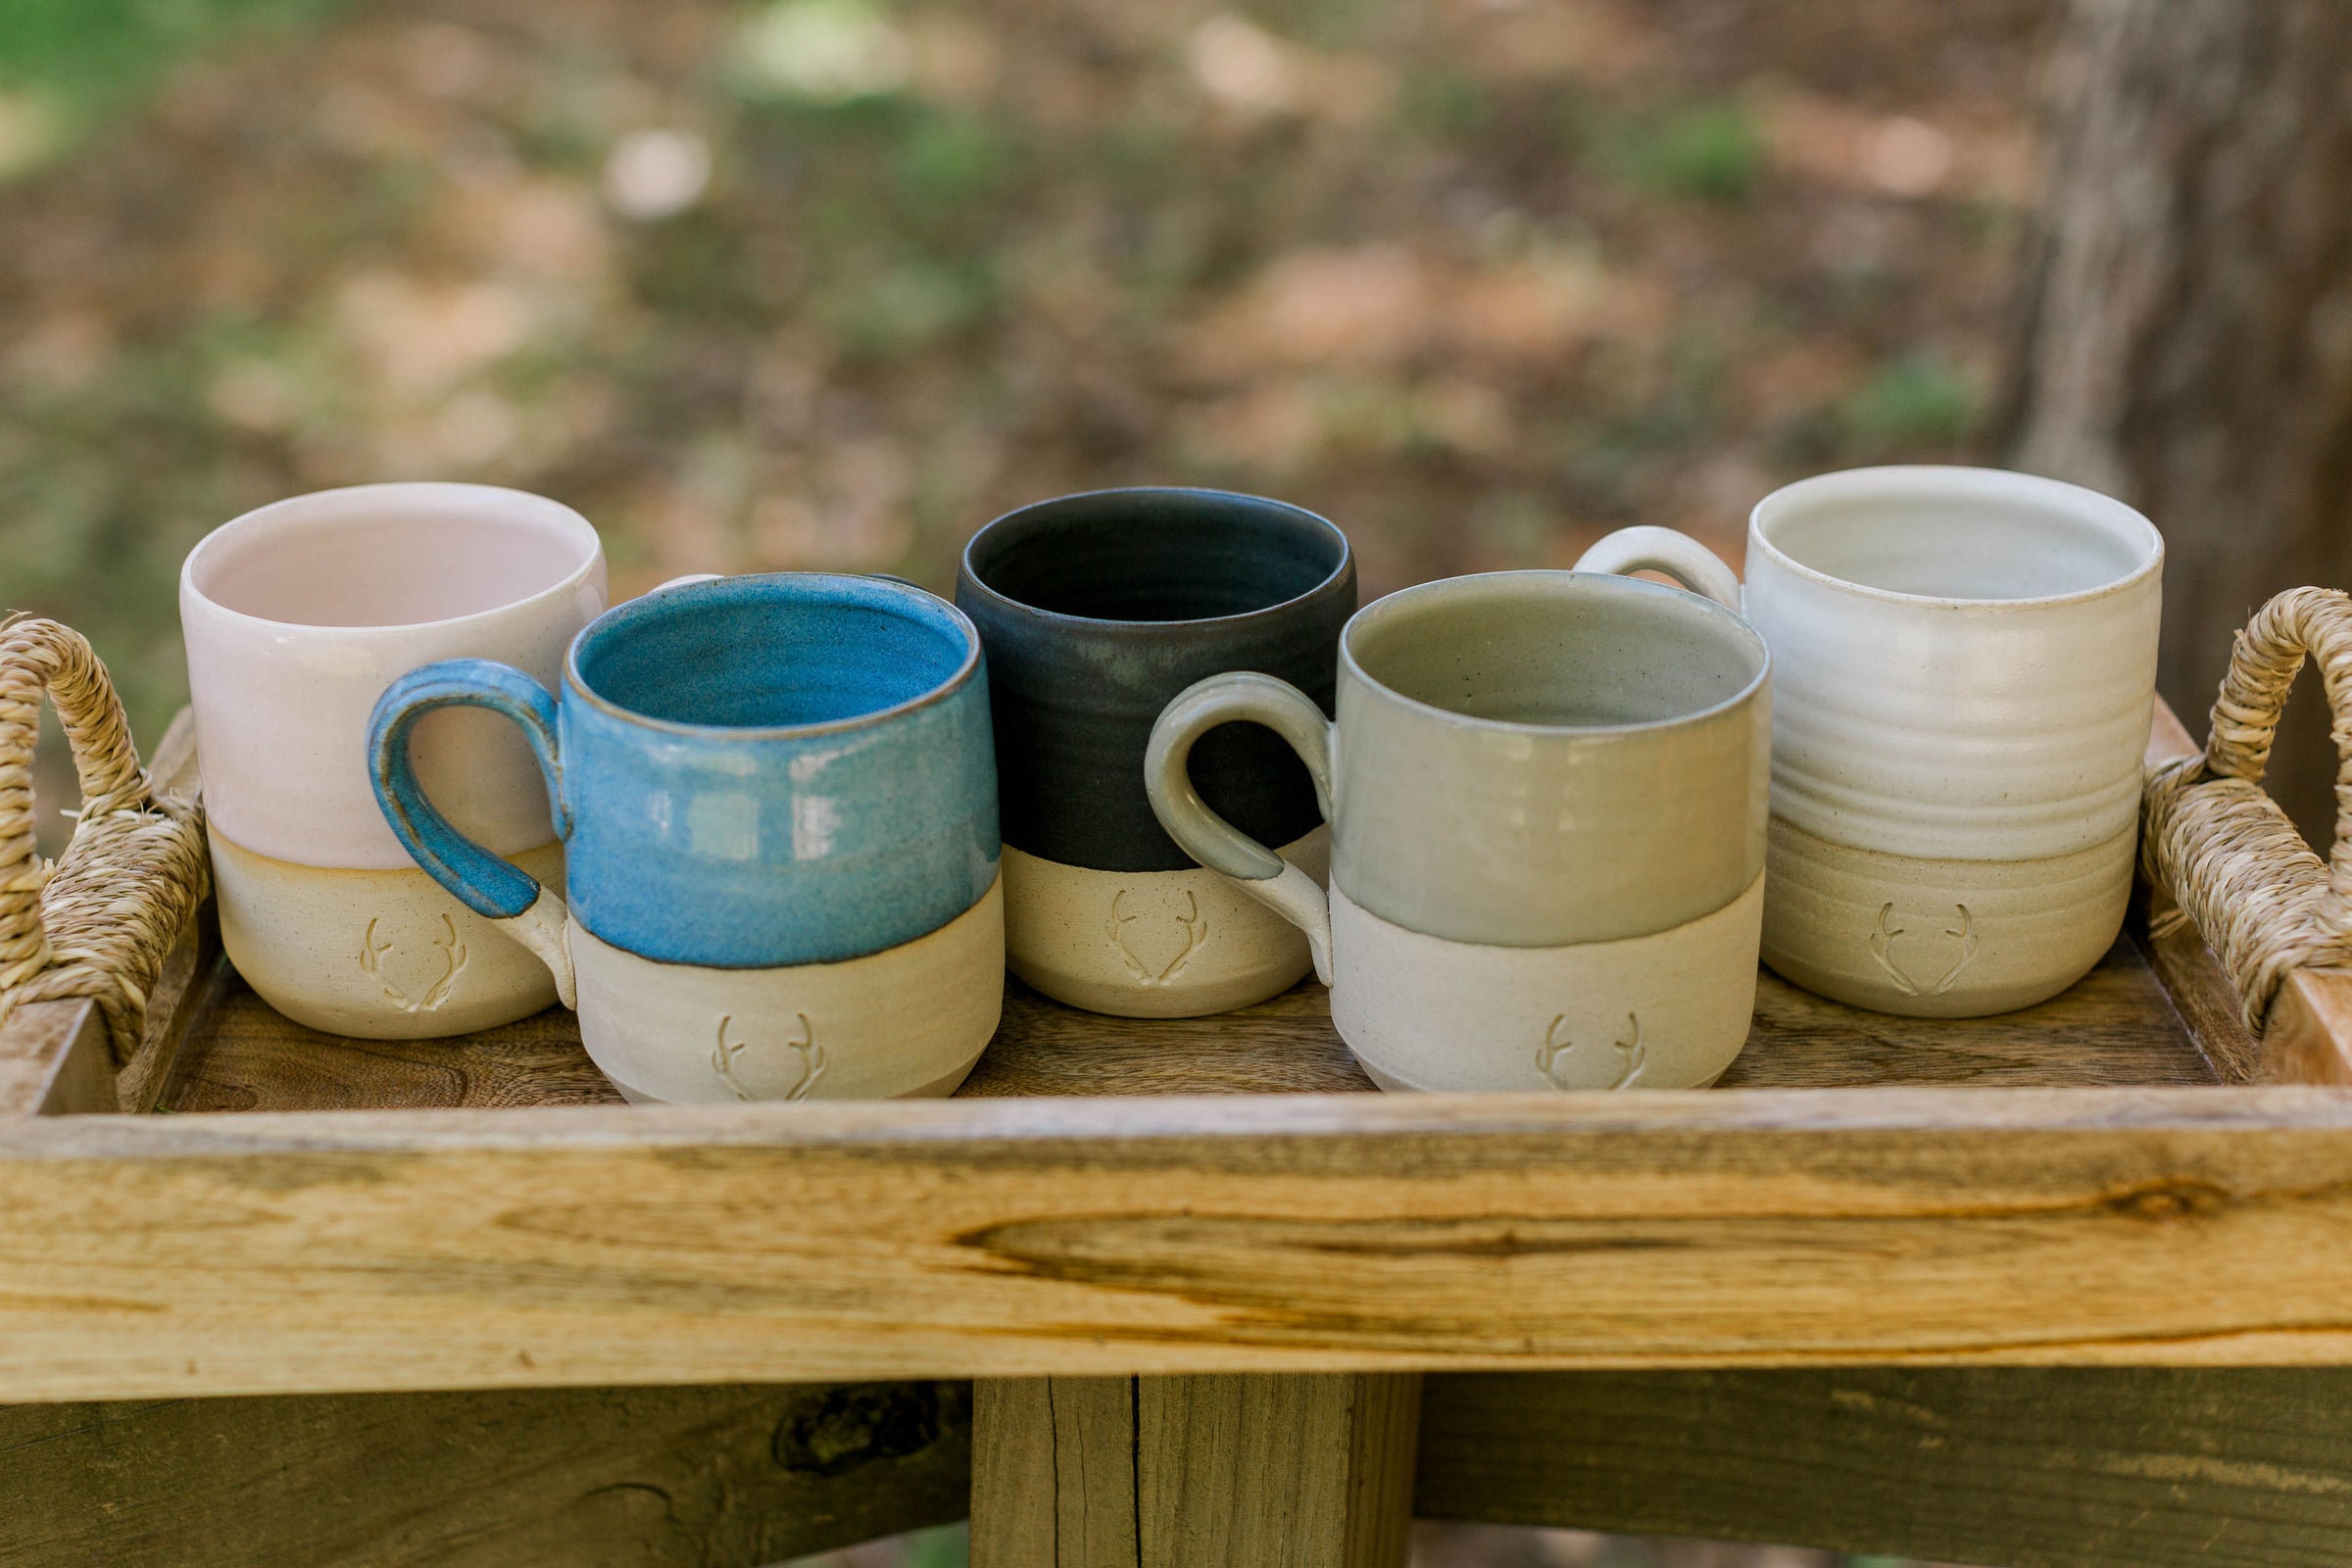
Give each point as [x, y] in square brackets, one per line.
[779, 802]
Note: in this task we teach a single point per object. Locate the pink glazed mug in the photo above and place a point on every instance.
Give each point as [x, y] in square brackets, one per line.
[297, 617]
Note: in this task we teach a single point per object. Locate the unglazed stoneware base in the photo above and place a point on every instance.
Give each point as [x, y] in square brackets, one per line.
[907, 1020]
[1667, 1010]
[376, 954]
[1152, 944]
[1939, 939]
[937, 1088]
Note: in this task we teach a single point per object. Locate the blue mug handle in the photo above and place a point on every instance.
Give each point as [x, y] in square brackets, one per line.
[483, 882]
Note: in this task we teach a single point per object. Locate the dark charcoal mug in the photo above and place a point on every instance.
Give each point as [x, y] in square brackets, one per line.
[1095, 610]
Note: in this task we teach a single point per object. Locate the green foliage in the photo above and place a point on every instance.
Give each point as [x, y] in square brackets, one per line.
[1915, 400]
[947, 1547]
[904, 305]
[1710, 151]
[1442, 102]
[88, 54]
[951, 161]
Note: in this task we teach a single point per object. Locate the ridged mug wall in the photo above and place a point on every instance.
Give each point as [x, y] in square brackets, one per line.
[1965, 667]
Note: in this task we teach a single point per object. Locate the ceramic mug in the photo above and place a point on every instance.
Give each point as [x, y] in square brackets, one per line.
[1967, 663]
[1096, 609]
[779, 801]
[1547, 794]
[297, 617]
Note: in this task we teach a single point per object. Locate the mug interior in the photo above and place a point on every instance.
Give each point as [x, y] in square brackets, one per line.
[391, 555]
[778, 651]
[1957, 533]
[1157, 555]
[1558, 650]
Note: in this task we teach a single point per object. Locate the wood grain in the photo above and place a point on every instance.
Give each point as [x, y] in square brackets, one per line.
[630, 1478]
[1309, 1471]
[371, 1250]
[1305, 1471]
[2046, 1468]
[1053, 1473]
[244, 1055]
[1284, 1046]
[56, 1060]
[2307, 1037]
[2114, 1028]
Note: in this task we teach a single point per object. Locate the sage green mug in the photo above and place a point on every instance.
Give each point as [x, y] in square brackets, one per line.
[1547, 794]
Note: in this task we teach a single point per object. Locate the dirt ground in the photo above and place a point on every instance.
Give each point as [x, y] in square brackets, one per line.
[827, 284]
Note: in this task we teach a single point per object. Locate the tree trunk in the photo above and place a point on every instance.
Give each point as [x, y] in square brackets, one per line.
[2186, 337]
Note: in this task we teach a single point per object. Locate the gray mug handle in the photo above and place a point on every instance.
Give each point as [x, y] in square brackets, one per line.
[1208, 838]
[1648, 548]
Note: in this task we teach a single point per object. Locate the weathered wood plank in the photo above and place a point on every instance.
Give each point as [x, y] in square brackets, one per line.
[699, 1477]
[183, 1254]
[1053, 1473]
[194, 976]
[1297, 1471]
[56, 1060]
[1305, 1471]
[2114, 1028]
[2308, 1038]
[2036, 1468]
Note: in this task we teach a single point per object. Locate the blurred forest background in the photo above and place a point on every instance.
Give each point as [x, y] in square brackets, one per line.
[821, 284]
[828, 283]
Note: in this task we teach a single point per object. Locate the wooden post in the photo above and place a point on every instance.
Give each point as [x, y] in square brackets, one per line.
[725, 1477]
[1311, 1470]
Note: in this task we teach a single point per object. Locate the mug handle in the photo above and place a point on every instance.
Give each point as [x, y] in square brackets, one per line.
[1208, 838]
[483, 882]
[1648, 548]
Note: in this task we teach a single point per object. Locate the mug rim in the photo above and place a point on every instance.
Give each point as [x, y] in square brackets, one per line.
[439, 492]
[968, 573]
[1441, 586]
[1975, 480]
[890, 588]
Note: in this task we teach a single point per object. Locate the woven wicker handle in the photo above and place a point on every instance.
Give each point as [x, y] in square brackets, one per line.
[98, 922]
[2263, 901]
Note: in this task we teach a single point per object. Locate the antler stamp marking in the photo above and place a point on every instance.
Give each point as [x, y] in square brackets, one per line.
[1882, 947]
[452, 948]
[1632, 1054]
[724, 1057]
[1146, 971]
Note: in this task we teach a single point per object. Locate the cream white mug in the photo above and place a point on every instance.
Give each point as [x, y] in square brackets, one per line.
[296, 617]
[1546, 793]
[1966, 667]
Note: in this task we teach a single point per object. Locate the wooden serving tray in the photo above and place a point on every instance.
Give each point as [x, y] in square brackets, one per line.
[2123, 1175]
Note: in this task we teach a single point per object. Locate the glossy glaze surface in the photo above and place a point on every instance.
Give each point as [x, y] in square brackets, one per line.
[297, 617]
[1521, 758]
[1533, 758]
[1097, 609]
[750, 772]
